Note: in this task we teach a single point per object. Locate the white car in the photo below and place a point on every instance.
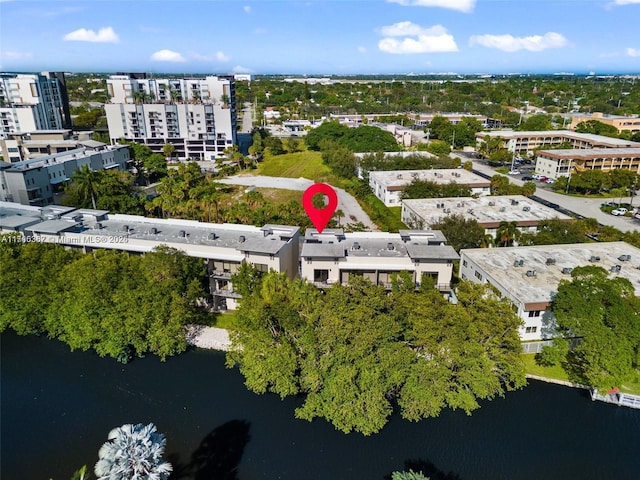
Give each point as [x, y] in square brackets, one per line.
[619, 211]
[536, 176]
[549, 180]
[514, 172]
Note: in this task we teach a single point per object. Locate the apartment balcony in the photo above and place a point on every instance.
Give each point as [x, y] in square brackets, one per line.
[225, 294]
[221, 274]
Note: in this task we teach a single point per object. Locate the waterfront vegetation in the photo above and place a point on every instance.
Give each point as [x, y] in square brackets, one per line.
[355, 352]
[119, 305]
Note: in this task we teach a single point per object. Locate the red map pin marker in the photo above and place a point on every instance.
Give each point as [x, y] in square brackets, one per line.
[320, 216]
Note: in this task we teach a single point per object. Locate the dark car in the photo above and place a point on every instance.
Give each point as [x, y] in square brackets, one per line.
[527, 179]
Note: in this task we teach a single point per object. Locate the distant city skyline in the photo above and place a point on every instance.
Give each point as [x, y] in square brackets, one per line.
[321, 37]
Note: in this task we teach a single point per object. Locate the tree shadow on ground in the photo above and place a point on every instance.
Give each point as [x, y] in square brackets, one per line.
[218, 455]
[428, 469]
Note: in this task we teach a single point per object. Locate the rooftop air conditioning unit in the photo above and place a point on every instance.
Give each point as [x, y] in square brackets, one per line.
[153, 231]
[514, 202]
[458, 204]
[526, 209]
[594, 259]
[125, 228]
[551, 261]
[492, 204]
[98, 226]
[356, 246]
[447, 210]
[182, 233]
[531, 273]
[624, 258]
[503, 209]
[212, 236]
[399, 175]
[567, 270]
[242, 238]
[616, 268]
[390, 246]
[518, 263]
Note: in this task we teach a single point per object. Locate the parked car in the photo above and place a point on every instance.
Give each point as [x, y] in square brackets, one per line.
[543, 179]
[549, 180]
[608, 204]
[619, 211]
[514, 172]
[527, 179]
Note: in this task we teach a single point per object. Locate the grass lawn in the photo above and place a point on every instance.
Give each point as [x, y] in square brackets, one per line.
[226, 320]
[305, 164]
[556, 372]
[278, 195]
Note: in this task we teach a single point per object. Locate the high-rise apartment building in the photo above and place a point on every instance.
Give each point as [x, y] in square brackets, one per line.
[31, 102]
[195, 115]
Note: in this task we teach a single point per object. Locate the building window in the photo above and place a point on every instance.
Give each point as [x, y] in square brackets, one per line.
[478, 275]
[261, 267]
[320, 276]
[464, 263]
[530, 329]
[534, 313]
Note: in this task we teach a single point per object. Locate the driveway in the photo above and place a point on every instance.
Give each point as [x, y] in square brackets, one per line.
[587, 207]
[352, 210]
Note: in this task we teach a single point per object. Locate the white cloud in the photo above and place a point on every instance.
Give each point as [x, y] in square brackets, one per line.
[626, 2]
[509, 43]
[633, 52]
[167, 56]
[417, 39]
[465, 6]
[104, 35]
[247, 9]
[362, 49]
[15, 55]
[222, 57]
[241, 69]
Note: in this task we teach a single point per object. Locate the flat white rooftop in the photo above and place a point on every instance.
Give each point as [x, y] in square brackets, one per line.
[590, 153]
[401, 178]
[549, 262]
[597, 139]
[487, 211]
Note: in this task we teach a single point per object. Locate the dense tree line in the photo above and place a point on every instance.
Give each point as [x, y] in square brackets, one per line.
[361, 139]
[607, 322]
[598, 181]
[355, 352]
[428, 189]
[378, 161]
[117, 304]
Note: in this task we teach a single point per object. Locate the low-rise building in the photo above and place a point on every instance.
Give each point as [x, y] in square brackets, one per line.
[488, 211]
[224, 247]
[19, 146]
[529, 276]
[36, 181]
[525, 143]
[389, 185]
[333, 257]
[621, 122]
[562, 163]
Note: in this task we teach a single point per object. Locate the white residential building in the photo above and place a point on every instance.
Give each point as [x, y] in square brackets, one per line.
[224, 247]
[333, 257]
[389, 185]
[20, 146]
[37, 181]
[31, 102]
[529, 276]
[526, 142]
[488, 211]
[562, 163]
[195, 115]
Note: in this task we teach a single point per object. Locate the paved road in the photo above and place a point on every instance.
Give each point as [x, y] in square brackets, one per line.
[352, 210]
[587, 207]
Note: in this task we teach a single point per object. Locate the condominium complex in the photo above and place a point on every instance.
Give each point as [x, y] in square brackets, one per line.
[31, 102]
[333, 257]
[622, 123]
[525, 143]
[20, 146]
[561, 163]
[37, 181]
[195, 115]
[488, 211]
[529, 276]
[389, 185]
[223, 247]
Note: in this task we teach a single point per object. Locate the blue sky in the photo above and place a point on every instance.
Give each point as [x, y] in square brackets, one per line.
[321, 37]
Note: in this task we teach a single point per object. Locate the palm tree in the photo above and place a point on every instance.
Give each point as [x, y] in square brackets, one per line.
[133, 451]
[507, 233]
[86, 183]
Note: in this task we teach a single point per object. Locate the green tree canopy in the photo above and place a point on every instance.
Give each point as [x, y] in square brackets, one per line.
[429, 189]
[355, 351]
[460, 231]
[607, 320]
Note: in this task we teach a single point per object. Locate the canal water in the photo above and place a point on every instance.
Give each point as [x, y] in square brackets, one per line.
[58, 406]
